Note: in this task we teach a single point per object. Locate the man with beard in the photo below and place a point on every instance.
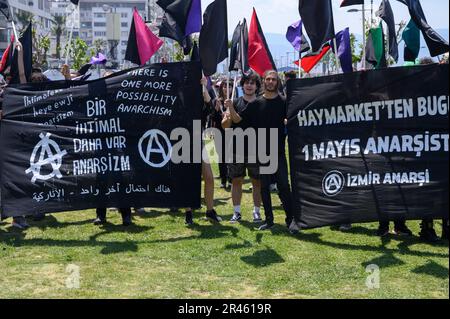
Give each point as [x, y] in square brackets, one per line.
[269, 112]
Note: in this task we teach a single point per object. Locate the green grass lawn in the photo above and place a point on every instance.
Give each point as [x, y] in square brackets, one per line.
[160, 257]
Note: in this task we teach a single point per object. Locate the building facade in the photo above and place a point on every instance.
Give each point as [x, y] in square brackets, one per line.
[109, 21]
[40, 9]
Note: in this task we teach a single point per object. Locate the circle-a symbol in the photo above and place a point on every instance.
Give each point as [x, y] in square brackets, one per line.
[50, 154]
[333, 183]
[146, 149]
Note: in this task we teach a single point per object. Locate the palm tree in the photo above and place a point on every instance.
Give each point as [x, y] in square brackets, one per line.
[58, 30]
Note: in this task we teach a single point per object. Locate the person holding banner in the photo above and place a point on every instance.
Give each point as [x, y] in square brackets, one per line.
[269, 112]
[225, 90]
[251, 84]
[207, 172]
[19, 222]
[125, 212]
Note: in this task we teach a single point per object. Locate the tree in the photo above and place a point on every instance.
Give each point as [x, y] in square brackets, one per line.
[58, 30]
[23, 18]
[41, 46]
[78, 53]
[356, 57]
[99, 45]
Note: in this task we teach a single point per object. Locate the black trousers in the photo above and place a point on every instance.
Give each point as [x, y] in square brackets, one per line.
[284, 192]
[398, 223]
[101, 212]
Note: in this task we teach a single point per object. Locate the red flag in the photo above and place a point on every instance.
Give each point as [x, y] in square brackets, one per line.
[142, 43]
[259, 56]
[310, 61]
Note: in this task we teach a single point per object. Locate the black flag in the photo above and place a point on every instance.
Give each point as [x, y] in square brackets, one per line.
[195, 55]
[27, 45]
[346, 3]
[436, 44]
[169, 28]
[214, 36]
[178, 9]
[239, 48]
[75, 2]
[4, 9]
[317, 17]
[385, 12]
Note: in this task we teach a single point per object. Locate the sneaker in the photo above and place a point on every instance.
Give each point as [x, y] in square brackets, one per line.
[140, 211]
[345, 227]
[429, 235]
[266, 226]
[20, 223]
[257, 217]
[99, 221]
[294, 228]
[223, 186]
[213, 217]
[382, 231]
[236, 217]
[273, 188]
[403, 231]
[189, 219]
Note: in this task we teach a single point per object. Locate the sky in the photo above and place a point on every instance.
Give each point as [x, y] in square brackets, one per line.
[276, 15]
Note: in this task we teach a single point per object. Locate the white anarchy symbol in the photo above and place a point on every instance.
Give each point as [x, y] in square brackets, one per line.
[46, 157]
[333, 183]
[146, 148]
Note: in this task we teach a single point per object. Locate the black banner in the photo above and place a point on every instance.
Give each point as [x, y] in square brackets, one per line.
[107, 143]
[370, 146]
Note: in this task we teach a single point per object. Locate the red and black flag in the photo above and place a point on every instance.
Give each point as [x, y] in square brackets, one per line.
[213, 40]
[259, 56]
[7, 56]
[142, 43]
[436, 43]
[317, 18]
[239, 48]
[346, 3]
[309, 61]
[4, 9]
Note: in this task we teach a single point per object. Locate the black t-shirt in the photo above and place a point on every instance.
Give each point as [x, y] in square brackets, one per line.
[240, 105]
[267, 114]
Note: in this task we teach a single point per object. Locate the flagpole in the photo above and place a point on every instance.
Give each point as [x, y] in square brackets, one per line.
[71, 36]
[338, 64]
[300, 65]
[363, 60]
[16, 36]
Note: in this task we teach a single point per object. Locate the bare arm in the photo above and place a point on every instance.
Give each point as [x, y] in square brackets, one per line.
[235, 117]
[206, 96]
[22, 76]
[227, 121]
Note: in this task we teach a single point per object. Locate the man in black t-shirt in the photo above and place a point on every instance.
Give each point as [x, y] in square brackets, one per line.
[237, 170]
[269, 112]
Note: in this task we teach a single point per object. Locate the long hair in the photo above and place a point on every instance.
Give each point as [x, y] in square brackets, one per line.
[222, 95]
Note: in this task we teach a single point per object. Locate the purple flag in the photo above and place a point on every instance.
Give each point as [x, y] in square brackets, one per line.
[295, 37]
[99, 59]
[344, 51]
[194, 21]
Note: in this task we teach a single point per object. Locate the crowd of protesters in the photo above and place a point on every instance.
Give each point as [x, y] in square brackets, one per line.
[257, 103]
